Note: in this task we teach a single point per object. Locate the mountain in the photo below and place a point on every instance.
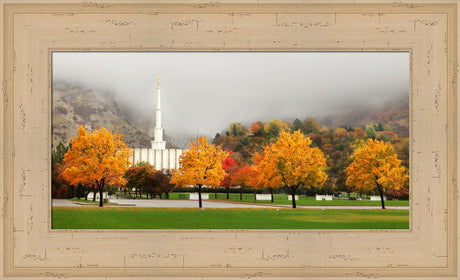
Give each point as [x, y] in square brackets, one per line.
[394, 113]
[75, 105]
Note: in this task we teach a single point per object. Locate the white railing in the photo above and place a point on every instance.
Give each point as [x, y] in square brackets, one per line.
[194, 196]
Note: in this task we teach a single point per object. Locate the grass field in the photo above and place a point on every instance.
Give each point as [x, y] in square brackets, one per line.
[186, 218]
[303, 200]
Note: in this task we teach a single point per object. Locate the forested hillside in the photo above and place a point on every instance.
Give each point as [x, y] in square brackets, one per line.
[337, 144]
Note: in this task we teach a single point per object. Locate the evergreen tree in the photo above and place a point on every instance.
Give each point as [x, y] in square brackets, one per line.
[370, 132]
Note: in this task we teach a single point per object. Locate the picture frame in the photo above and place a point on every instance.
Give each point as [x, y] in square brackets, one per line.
[31, 31]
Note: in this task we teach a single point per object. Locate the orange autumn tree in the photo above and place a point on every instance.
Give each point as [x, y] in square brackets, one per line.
[266, 176]
[97, 158]
[201, 165]
[247, 176]
[291, 161]
[376, 165]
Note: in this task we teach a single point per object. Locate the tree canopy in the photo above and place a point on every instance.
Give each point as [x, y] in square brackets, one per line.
[230, 166]
[292, 162]
[97, 158]
[201, 166]
[138, 176]
[376, 165]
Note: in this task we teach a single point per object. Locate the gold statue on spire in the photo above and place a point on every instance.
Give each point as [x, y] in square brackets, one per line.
[158, 80]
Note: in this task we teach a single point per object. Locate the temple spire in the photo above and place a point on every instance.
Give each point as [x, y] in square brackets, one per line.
[158, 143]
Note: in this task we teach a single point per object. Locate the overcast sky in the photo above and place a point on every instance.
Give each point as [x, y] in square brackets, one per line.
[206, 91]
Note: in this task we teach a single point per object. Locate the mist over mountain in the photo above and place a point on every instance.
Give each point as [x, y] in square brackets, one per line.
[394, 112]
[75, 105]
[202, 93]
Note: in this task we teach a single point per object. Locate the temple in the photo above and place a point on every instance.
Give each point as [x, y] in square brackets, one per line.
[158, 143]
[158, 156]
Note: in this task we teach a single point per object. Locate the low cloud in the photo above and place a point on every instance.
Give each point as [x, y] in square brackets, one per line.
[202, 92]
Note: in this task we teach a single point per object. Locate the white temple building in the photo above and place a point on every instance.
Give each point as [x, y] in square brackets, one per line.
[158, 156]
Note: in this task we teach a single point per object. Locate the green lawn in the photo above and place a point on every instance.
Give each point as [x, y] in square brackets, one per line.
[303, 200]
[186, 218]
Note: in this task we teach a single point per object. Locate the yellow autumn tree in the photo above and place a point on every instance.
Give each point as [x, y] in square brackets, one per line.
[290, 161]
[201, 166]
[97, 158]
[376, 165]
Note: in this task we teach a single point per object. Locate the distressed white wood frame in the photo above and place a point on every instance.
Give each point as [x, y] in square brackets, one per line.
[31, 31]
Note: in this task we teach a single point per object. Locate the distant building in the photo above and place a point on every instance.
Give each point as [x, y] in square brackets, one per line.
[158, 156]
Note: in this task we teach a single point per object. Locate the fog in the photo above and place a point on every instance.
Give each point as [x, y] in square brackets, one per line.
[203, 92]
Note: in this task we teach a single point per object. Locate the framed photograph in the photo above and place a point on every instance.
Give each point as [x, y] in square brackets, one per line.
[32, 32]
[240, 102]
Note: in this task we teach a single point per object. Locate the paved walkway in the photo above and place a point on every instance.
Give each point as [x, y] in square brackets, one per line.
[208, 204]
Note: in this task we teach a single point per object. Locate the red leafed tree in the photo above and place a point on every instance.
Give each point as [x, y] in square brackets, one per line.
[256, 127]
[230, 166]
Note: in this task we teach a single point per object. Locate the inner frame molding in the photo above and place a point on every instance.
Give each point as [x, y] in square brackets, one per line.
[31, 32]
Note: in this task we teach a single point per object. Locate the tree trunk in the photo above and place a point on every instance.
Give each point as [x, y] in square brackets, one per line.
[271, 192]
[255, 195]
[215, 193]
[293, 191]
[228, 196]
[101, 200]
[293, 201]
[167, 195]
[241, 193]
[199, 196]
[101, 189]
[94, 195]
[381, 195]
